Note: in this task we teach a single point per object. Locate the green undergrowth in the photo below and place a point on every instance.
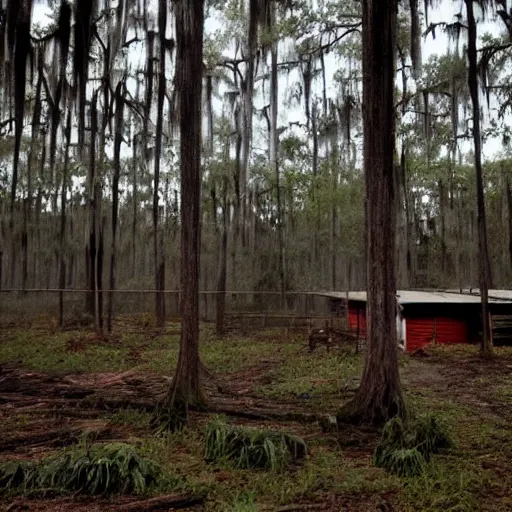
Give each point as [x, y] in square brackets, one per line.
[115, 468]
[138, 420]
[313, 376]
[251, 448]
[339, 472]
[79, 351]
[405, 450]
[50, 353]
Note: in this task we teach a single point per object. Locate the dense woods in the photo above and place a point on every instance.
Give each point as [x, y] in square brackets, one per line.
[91, 199]
[257, 151]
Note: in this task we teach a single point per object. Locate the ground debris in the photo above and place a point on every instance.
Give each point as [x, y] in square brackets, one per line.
[172, 501]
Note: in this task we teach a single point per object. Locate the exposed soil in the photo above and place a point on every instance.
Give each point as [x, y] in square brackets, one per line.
[49, 412]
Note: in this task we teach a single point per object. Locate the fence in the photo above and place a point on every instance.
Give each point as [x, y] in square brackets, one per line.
[245, 310]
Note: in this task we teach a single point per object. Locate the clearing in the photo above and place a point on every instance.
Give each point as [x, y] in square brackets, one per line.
[59, 387]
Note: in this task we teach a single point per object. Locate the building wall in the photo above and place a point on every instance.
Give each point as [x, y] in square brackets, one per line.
[354, 311]
[442, 330]
[414, 330]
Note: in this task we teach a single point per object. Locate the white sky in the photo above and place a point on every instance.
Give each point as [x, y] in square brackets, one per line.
[444, 12]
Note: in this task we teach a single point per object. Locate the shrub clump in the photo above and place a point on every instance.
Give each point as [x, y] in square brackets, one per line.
[99, 469]
[251, 448]
[405, 451]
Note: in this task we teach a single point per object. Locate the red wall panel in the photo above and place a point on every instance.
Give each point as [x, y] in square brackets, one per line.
[352, 320]
[421, 331]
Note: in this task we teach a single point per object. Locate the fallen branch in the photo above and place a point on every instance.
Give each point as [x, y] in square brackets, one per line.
[59, 437]
[161, 503]
[110, 404]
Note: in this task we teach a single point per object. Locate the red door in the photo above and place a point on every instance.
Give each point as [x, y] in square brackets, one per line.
[353, 315]
[421, 331]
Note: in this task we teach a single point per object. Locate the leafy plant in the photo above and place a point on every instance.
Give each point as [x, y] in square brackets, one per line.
[251, 448]
[406, 462]
[405, 451]
[101, 469]
[431, 435]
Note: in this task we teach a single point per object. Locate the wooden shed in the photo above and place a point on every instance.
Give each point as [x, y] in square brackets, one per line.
[444, 317]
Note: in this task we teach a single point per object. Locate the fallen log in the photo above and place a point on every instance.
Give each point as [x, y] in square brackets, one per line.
[161, 503]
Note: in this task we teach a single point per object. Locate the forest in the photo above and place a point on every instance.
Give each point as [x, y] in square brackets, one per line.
[170, 151]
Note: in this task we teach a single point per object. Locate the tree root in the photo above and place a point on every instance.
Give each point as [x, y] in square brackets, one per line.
[169, 415]
[254, 414]
[376, 411]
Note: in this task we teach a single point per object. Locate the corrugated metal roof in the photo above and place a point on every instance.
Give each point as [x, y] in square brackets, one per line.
[429, 297]
[493, 294]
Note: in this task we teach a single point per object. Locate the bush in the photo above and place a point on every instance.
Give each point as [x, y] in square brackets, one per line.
[251, 448]
[102, 469]
[405, 451]
[431, 436]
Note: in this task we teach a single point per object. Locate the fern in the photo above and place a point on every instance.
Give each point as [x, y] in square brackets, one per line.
[251, 448]
[406, 462]
[431, 435]
[405, 451]
[103, 469]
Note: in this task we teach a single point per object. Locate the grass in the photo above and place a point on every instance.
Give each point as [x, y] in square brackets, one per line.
[313, 376]
[50, 353]
[251, 448]
[472, 400]
[115, 468]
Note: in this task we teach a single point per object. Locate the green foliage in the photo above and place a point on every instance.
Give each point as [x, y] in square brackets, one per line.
[431, 435]
[101, 469]
[447, 488]
[243, 502]
[251, 448]
[405, 462]
[404, 451]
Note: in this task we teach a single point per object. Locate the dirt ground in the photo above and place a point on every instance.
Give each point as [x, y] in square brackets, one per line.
[44, 411]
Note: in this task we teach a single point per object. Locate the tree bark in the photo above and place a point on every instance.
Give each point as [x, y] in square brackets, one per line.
[186, 387]
[118, 137]
[483, 250]
[157, 235]
[274, 160]
[62, 235]
[509, 204]
[379, 396]
[222, 274]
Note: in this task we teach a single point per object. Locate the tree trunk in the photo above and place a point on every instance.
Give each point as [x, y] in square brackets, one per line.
[157, 235]
[186, 388]
[135, 169]
[380, 395]
[274, 160]
[118, 137]
[93, 250]
[316, 214]
[222, 274]
[509, 204]
[62, 259]
[483, 251]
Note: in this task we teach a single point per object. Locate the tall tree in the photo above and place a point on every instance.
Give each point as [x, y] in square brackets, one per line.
[186, 387]
[483, 247]
[379, 396]
[158, 248]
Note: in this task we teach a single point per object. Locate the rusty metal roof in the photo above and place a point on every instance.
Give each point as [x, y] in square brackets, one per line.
[430, 297]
